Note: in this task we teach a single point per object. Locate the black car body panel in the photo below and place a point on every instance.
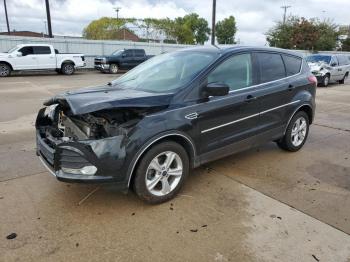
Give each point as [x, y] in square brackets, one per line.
[207, 127]
[104, 97]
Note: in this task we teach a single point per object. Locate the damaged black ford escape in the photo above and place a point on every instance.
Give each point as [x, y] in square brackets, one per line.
[174, 112]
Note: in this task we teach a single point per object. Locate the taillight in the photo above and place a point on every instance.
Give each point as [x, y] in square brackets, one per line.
[313, 80]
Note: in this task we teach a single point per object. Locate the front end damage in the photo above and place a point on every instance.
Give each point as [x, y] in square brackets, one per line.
[89, 147]
[319, 69]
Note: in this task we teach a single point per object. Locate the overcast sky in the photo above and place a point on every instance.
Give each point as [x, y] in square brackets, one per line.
[254, 17]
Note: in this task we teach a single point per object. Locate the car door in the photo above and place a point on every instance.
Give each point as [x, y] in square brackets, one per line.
[27, 60]
[44, 56]
[335, 69]
[139, 57]
[343, 66]
[127, 59]
[225, 121]
[274, 91]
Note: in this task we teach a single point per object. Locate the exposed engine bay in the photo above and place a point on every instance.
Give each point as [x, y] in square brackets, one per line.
[61, 125]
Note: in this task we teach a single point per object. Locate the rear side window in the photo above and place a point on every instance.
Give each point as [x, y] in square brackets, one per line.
[236, 72]
[27, 50]
[42, 50]
[292, 63]
[271, 67]
[139, 52]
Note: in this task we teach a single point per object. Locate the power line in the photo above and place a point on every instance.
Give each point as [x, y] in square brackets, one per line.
[285, 7]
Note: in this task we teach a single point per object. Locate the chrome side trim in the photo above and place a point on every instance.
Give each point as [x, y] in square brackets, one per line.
[247, 117]
[47, 167]
[229, 123]
[277, 107]
[151, 143]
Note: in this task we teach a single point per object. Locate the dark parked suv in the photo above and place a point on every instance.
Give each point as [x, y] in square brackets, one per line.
[179, 110]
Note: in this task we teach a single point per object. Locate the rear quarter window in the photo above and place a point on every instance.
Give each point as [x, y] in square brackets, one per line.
[42, 50]
[271, 67]
[292, 63]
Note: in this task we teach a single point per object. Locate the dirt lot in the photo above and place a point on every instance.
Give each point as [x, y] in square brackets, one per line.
[259, 205]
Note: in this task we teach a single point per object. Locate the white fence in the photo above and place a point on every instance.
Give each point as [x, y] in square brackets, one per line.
[91, 48]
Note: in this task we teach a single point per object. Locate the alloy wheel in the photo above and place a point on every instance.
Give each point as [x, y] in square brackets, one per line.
[299, 131]
[4, 70]
[164, 173]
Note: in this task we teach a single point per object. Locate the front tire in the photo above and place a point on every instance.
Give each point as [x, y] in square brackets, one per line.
[113, 68]
[296, 133]
[325, 81]
[68, 69]
[5, 70]
[344, 78]
[161, 173]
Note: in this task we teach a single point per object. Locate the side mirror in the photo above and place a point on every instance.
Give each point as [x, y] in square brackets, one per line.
[19, 54]
[216, 89]
[334, 64]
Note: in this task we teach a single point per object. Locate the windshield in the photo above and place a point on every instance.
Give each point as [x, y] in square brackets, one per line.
[167, 72]
[318, 58]
[12, 49]
[117, 52]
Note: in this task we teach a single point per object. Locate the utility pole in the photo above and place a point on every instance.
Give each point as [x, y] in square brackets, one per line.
[117, 9]
[48, 18]
[213, 23]
[7, 19]
[285, 7]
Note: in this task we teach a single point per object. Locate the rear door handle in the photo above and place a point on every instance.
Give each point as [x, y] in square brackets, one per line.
[250, 98]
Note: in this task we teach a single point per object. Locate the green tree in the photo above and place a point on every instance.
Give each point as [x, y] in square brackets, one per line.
[300, 33]
[346, 44]
[226, 30]
[191, 29]
[105, 28]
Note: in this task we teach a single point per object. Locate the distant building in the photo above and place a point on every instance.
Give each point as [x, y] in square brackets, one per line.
[125, 34]
[25, 33]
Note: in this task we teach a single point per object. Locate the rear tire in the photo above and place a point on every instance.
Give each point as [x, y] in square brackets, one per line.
[113, 68]
[344, 78]
[161, 173]
[325, 81]
[68, 69]
[5, 70]
[296, 133]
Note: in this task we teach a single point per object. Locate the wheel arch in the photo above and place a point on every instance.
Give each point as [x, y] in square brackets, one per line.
[67, 62]
[305, 108]
[7, 63]
[177, 137]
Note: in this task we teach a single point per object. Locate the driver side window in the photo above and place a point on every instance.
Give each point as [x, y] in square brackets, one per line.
[27, 50]
[236, 72]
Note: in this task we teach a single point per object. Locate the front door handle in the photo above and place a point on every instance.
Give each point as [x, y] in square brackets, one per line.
[250, 98]
[291, 87]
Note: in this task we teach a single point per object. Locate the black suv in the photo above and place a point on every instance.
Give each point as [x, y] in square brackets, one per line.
[179, 110]
[121, 60]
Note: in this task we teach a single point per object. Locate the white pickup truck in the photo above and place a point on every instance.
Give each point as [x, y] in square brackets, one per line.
[39, 57]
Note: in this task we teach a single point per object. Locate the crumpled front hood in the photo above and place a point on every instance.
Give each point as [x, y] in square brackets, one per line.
[317, 66]
[89, 100]
[4, 54]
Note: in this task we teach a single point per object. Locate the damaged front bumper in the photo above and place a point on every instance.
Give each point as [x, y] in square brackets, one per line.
[89, 161]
